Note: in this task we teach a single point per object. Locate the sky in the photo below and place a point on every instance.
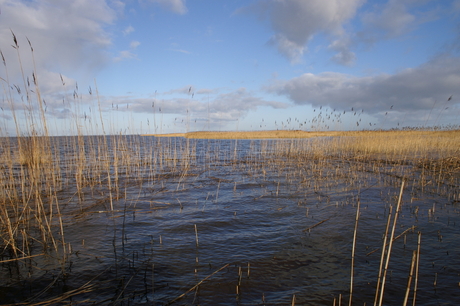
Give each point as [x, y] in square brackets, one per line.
[167, 66]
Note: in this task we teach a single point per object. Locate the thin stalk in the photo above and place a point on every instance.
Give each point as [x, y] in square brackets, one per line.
[390, 245]
[416, 267]
[409, 279]
[382, 258]
[353, 253]
[199, 283]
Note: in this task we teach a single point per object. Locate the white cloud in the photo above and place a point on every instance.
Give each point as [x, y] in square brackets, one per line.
[181, 51]
[205, 91]
[128, 30]
[123, 55]
[343, 56]
[225, 106]
[127, 54]
[411, 89]
[134, 44]
[67, 36]
[293, 51]
[176, 6]
[295, 22]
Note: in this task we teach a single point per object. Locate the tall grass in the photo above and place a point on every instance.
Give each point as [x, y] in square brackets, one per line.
[47, 180]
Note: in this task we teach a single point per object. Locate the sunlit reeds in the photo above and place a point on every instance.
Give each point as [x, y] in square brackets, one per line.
[48, 182]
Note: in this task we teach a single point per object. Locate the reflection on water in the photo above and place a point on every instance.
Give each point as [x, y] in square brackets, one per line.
[253, 210]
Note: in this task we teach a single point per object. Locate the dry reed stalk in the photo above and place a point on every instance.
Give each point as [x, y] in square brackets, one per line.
[409, 279]
[387, 261]
[249, 266]
[417, 267]
[21, 258]
[394, 239]
[313, 226]
[383, 255]
[199, 283]
[107, 163]
[353, 253]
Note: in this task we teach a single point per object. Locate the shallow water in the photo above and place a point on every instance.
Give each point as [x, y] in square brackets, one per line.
[255, 212]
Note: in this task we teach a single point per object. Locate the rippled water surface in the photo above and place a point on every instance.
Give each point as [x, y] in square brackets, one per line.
[251, 228]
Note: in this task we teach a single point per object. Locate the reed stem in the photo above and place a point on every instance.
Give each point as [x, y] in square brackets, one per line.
[390, 245]
[409, 279]
[353, 253]
[417, 267]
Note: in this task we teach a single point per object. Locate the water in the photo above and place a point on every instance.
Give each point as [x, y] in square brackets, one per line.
[254, 211]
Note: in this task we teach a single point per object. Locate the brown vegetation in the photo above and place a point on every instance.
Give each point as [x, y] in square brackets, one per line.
[45, 180]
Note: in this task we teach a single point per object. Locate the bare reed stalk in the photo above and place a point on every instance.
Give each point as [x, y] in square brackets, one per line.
[107, 162]
[382, 257]
[353, 253]
[199, 283]
[409, 279]
[417, 267]
[387, 261]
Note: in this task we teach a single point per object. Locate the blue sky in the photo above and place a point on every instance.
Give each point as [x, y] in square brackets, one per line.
[164, 66]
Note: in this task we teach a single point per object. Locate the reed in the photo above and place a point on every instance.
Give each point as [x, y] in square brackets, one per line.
[388, 253]
[417, 268]
[353, 253]
[48, 182]
[409, 279]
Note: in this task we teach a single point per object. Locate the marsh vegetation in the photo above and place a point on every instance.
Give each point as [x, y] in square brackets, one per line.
[127, 219]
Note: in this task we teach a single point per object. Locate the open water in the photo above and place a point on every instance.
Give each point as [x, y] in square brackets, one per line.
[251, 227]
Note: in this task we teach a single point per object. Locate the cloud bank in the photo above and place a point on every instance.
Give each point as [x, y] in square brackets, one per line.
[228, 106]
[410, 89]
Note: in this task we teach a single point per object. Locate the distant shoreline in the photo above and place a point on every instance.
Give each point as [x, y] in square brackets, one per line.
[280, 134]
[247, 134]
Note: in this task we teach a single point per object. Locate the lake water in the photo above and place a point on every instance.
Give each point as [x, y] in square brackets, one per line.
[281, 226]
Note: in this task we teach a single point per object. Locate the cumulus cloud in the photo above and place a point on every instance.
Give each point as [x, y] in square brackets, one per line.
[343, 56]
[176, 6]
[228, 106]
[295, 22]
[67, 36]
[408, 90]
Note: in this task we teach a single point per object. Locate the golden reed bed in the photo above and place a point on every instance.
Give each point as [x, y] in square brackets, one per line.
[408, 144]
[277, 134]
